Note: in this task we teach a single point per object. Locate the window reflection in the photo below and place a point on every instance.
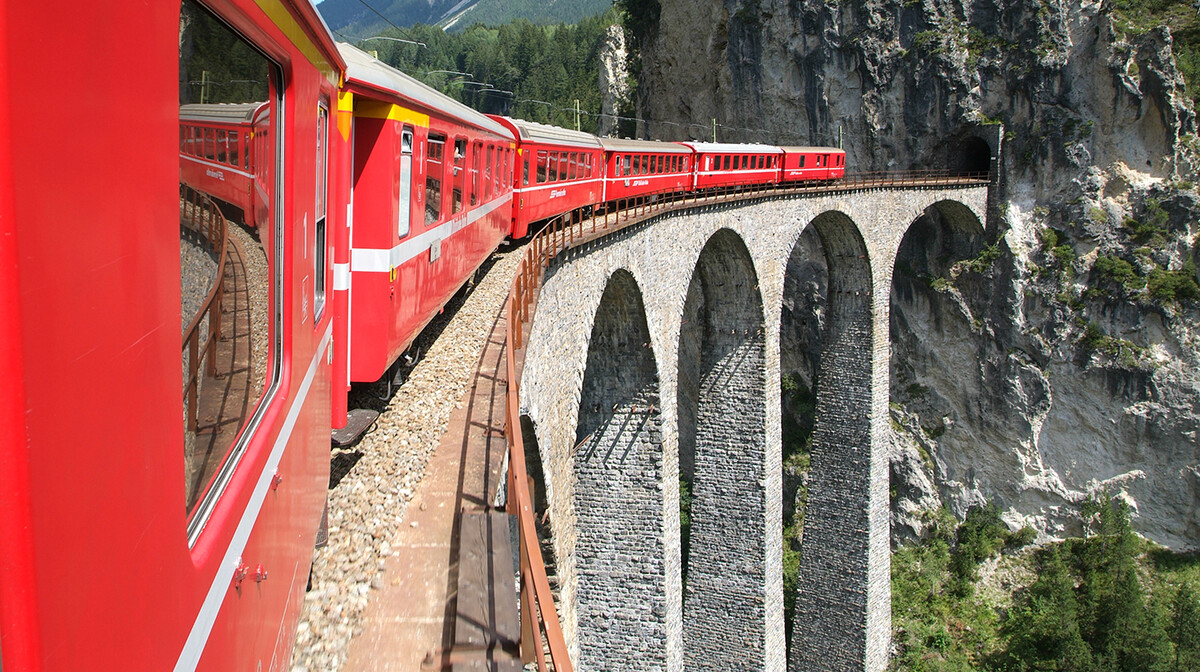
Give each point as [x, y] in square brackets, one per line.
[228, 107]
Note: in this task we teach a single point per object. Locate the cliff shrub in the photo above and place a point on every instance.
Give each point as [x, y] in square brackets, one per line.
[1117, 271]
[1177, 286]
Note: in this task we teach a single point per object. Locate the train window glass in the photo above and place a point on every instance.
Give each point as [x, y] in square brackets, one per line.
[662, 163]
[476, 157]
[563, 159]
[637, 164]
[319, 269]
[487, 175]
[627, 160]
[231, 270]
[507, 168]
[234, 146]
[543, 163]
[572, 165]
[496, 171]
[591, 166]
[434, 171]
[404, 213]
[460, 175]
[801, 160]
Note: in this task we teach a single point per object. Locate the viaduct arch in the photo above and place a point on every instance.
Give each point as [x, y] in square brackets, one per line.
[662, 344]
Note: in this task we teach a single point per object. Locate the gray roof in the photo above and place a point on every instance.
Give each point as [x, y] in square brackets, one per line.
[622, 145]
[219, 112]
[531, 130]
[811, 150]
[362, 68]
[731, 148]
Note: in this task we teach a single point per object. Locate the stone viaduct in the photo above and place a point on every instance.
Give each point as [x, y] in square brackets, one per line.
[654, 356]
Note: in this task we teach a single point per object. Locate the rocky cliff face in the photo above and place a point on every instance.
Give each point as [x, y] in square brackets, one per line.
[1056, 355]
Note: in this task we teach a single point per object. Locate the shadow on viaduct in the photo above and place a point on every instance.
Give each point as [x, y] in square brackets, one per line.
[654, 357]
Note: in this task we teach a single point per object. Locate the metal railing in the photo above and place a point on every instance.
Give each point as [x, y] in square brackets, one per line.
[540, 627]
[198, 214]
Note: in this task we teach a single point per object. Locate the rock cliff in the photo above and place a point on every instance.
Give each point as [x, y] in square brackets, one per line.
[1056, 355]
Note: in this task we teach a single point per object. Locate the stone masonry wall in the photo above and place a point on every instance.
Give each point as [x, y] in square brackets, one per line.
[661, 257]
[618, 498]
[723, 609]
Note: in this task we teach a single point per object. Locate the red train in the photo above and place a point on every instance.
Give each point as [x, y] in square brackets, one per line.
[327, 207]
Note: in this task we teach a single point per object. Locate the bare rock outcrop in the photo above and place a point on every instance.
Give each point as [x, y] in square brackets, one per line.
[1056, 357]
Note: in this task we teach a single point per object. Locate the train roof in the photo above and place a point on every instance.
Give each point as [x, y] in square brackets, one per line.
[812, 150]
[623, 145]
[219, 112]
[732, 148]
[535, 132]
[362, 68]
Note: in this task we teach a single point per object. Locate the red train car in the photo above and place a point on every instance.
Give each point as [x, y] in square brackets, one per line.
[157, 519]
[557, 171]
[637, 167]
[431, 199]
[723, 164]
[216, 153]
[813, 163]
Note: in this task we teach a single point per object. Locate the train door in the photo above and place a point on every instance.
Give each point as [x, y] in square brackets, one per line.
[404, 211]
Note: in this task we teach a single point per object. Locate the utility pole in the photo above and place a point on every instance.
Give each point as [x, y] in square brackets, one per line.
[203, 86]
[577, 114]
[714, 129]
[839, 136]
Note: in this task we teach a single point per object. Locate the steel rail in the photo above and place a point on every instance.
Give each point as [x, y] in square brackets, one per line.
[540, 626]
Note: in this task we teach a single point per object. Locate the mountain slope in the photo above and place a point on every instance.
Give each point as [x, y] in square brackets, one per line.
[354, 19]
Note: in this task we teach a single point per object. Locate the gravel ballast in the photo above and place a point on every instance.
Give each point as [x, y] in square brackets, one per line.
[373, 481]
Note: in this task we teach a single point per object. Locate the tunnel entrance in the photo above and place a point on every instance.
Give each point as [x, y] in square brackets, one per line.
[972, 156]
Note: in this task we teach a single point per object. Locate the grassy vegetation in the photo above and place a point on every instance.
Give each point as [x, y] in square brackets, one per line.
[1108, 601]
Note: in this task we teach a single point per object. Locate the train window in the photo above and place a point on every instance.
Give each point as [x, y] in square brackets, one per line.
[460, 175]
[563, 159]
[319, 232]
[404, 184]
[434, 171]
[496, 171]
[637, 164]
[476, 154]
[543, 163]
[487, 175]
[525, 169]
[572, 165]
[626, 160]
[801, 160]
[231, 272]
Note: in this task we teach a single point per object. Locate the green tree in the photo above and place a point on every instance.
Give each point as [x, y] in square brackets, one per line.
[1043, 628]
[1185, 628]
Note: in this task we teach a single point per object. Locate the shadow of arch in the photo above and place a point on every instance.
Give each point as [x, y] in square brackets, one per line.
[834, 612]
[618, 493]
[801, 324]
[533, 465]
[722, 438]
